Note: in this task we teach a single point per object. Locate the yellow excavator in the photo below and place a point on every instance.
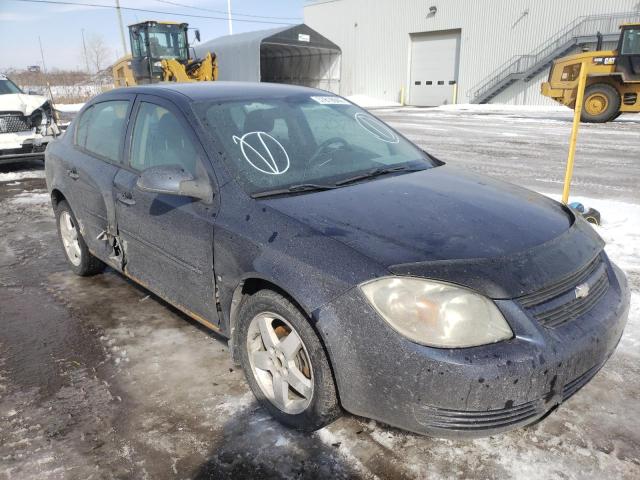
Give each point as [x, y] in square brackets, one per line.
[613, 78]
[160, 53]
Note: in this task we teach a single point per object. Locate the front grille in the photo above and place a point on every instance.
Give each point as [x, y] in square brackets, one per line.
[560, 303]
[13, 122]
[470, 421]
[575, 385]
[481, 420]
[478, 420]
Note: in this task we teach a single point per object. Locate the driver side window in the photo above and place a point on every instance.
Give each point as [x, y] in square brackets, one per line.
[160, 139]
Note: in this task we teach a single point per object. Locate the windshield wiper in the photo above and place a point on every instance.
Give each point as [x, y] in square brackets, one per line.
[303, 187]
[376, 172]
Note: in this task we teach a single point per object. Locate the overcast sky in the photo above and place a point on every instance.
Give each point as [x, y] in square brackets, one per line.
[60, 26]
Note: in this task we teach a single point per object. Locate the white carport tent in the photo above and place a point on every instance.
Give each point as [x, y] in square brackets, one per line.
[296, 55]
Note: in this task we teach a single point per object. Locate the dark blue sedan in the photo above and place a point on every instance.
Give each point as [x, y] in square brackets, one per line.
[348, 268]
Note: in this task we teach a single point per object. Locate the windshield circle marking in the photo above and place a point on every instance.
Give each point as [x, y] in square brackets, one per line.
[257, 149]
[376, 128]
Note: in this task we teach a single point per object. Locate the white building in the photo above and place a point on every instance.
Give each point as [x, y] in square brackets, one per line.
[444, 51]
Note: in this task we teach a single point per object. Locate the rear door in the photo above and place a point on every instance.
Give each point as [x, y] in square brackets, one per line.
[168, 239]
[99, 142]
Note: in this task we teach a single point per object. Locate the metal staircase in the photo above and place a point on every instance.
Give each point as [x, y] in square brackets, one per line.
[583, 30]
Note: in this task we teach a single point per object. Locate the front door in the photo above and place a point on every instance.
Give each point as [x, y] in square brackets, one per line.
[167, 239]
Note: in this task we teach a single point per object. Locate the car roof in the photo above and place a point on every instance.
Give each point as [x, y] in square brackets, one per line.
[220, 90]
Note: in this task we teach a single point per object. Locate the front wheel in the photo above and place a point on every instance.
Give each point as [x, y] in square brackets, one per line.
[601, 103]
[285, 363]
[80, 260]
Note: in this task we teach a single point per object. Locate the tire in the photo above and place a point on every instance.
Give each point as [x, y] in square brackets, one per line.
[318, 405]
[600, 95]
[79, 259]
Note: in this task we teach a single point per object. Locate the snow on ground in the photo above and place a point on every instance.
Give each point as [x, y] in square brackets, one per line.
[369, 102]
[20, 174]
[529, 148]
[501, 107]
[30, 198]
[620, 228]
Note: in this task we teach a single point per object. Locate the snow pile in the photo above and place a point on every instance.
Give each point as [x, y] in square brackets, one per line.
[620, 228]
[30, 198]
[11, 176]
[499, 107]
[370, 102]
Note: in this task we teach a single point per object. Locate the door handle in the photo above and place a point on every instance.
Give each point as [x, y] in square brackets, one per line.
[126, 198]
[73, 173]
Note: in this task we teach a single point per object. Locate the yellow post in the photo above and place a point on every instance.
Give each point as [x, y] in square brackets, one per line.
[577, 112]
[455, 93]
[402, 95]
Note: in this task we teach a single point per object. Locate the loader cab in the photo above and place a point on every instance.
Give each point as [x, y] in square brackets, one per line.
[152, 42]
[628, 61]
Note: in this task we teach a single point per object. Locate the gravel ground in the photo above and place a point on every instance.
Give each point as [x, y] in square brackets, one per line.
[100, 379]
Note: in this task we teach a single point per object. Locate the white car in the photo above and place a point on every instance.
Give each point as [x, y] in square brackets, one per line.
[27, 123]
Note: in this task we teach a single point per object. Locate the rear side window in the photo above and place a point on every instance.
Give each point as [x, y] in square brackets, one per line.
[100, 129]
[160, 139]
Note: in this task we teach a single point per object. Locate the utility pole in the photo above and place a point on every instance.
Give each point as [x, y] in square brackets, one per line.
[229, 17]
[44, 70]
[84, 46]
[44, 67]
[124, 43]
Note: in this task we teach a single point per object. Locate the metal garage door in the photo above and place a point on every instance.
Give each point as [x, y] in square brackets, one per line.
[434, 67]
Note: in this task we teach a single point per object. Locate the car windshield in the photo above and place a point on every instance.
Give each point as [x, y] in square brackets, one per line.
[7, 86]
[305, 142]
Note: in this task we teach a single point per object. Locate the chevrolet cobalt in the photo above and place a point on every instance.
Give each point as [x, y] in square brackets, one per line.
[349, 269]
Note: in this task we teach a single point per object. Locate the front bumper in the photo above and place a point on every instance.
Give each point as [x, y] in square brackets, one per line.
[471, 392]
[23, 146]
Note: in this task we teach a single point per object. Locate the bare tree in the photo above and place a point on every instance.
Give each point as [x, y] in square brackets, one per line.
[98, 53]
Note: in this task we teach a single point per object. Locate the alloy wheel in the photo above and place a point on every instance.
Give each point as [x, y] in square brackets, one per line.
[69, 235]
[280, 362]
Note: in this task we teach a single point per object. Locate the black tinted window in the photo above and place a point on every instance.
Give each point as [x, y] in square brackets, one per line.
[101, 128]
[160, 139]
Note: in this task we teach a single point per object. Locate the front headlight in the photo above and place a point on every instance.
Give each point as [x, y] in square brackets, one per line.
[437, 314]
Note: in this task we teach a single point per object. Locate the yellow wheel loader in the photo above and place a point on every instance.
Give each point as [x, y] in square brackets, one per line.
[613, 78]
[160, 53]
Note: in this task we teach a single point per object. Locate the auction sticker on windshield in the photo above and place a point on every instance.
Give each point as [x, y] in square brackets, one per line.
[331, 100]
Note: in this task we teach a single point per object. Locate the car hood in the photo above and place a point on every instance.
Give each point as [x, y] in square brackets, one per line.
[444, 223]
[20, 102]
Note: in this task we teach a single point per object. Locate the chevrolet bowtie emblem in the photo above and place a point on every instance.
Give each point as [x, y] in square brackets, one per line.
[582, 290]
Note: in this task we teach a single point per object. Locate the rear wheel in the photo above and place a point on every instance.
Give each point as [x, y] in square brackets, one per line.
[80, 260]
[601, 103]
[285, 363]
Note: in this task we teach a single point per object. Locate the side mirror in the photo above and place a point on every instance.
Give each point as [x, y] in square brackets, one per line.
[174, 180]
[197, 32]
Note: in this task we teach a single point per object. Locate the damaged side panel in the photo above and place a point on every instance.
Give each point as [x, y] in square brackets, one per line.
[164, 242]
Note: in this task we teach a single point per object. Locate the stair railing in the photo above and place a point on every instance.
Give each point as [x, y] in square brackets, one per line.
[519, 65]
